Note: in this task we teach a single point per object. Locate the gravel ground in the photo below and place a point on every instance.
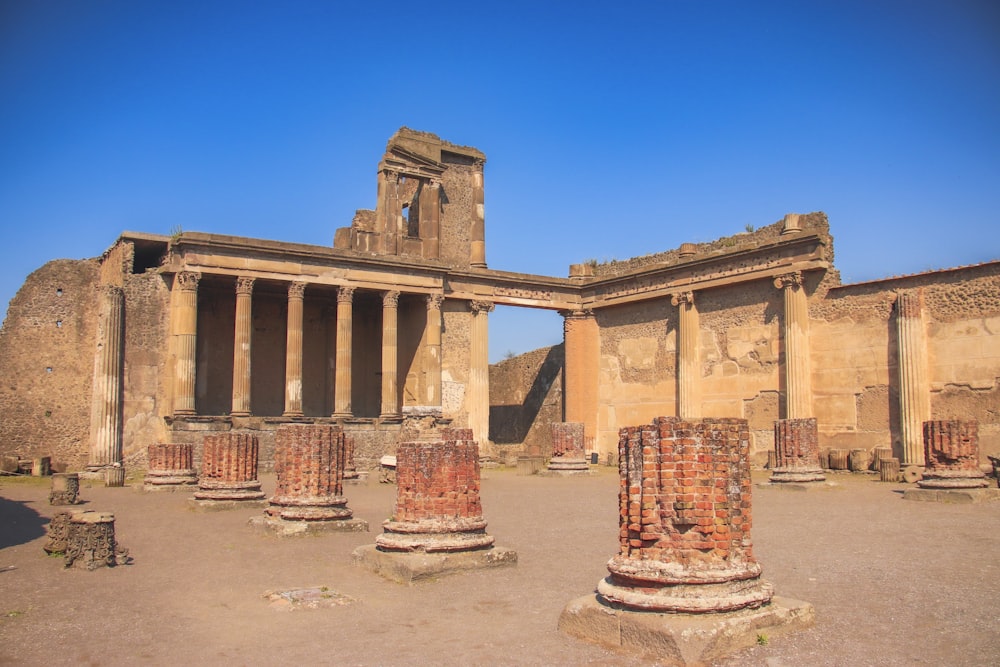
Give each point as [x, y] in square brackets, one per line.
[893, 582]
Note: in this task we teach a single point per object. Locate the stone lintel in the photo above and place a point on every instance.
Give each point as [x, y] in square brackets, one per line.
[406, 568]
[682, 639]
[284, 528]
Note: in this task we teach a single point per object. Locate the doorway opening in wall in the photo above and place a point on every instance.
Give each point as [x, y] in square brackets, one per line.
[527, 359]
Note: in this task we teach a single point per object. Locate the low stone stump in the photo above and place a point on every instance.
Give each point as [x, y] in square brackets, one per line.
[685, 587]
[171, 467]
[438, 525]
[41, 466]
[568, 457]
[86, 539]
[796, 453]
[309, 462]
[530, 465]
[952, 473]
[351, 474]
[114, 476]
[878, 454]
[839, 459]
[889, 469]
[857, 460]
[229, 473]
[65, 489]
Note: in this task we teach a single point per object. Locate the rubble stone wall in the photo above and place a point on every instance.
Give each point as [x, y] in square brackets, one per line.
[525, 397]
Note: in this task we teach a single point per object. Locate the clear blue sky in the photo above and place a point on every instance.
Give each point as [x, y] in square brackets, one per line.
[611, 129]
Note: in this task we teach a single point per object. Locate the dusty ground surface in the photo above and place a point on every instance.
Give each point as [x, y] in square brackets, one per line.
[893, 582]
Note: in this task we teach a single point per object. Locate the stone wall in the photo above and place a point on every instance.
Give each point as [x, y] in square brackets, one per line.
[47, 364]
[525, 398]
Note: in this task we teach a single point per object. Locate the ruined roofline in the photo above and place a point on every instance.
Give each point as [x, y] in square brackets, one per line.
[930, 272]
[432, 145]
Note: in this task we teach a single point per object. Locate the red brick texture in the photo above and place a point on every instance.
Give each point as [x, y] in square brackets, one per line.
[170, 456]
[796, 447]
[951, 451]
[685, 518]
[229, 467]
[437, 497]
[567, 440]
[309, 464]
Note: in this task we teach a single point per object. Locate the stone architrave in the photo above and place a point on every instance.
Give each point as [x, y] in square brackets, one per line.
[951, 455]
[309, 463]
[229, 472]
[171, 467]
[65, 489]
[796, 447]
[438, 525]
[685, 579]
[568, 456]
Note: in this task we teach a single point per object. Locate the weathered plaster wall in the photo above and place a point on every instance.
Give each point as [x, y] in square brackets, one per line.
[455, 359]
[47, 364]
[525, 398]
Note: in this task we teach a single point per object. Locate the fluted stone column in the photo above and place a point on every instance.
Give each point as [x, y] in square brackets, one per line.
[478, 232]
[582, 348]
[390, 383]
[433, 360]
[184, 328]
[798, 390]
[342, 379]
[914, 394]
[688, 367]
[293, 351]
[478, 396]
[106, 398]
[241, 347]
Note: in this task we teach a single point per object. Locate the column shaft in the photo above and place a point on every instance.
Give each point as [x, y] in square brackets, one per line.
[184, 328]
[688, 366]
[390, 381]
[106, 403]
[582, 348]
[798, 390]
[342, 379]
[293, 351]
[241, 347]
[914, 396]
[477, 234]
[479, 375]
[433, 359]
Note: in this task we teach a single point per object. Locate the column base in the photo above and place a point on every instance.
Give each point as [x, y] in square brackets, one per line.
[169, 480]
[285, 528]
[405, 568]
[797, 475]
[565, 466]
[221, 505]
[957, 496]
[682, 639]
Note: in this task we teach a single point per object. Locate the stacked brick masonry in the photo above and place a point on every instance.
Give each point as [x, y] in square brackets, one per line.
[171, 456]
[230, 457]
[437, 481]
[796, 443]
[309, 462]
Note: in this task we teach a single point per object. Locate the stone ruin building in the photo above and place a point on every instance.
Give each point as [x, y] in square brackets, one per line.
[165, 339]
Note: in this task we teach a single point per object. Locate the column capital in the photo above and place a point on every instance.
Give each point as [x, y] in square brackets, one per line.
[345, 294]
[682, 298]
[792, 279]
[390, 299]
[186, 280]
[296, 290]
[580, 314]
[481, 306]
[435, 301]
[244, 284]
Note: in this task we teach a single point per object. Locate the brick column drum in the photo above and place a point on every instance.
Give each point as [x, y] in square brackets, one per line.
[685, 582]
[685, 519]
[229, 468]
[796, 451]
[350, 467]
[568, 453]
[171, 466]
[951, 455]
[309, 463]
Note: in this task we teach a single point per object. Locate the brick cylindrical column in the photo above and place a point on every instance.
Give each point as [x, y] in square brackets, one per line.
[229, 467]
[796, 451]
[685, 518]
[171, 465]
[568, 452]
[350, 467]
[433, 359]
[951, 455]
[309, 463]
[437, 498]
